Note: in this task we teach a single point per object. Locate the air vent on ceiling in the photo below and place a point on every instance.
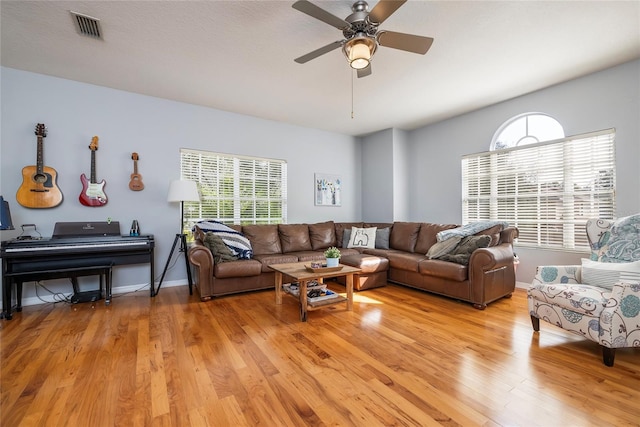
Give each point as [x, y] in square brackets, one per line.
[86, 25]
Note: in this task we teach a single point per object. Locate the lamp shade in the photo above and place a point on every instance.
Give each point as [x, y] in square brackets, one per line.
[359, 51]
[5, 215]
[183, 191]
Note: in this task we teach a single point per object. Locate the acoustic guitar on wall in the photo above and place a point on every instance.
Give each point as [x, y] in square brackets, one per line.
[135, 183]
[39, 188]
[92, 191]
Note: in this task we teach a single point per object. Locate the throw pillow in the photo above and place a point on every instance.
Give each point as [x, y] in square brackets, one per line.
[607, 274]
[471, 243]
[382, 238]
[442, 248]
[236, 241]
[623, 244]
[363, 238]
[221, 253]
[462, 253]
[346, 235]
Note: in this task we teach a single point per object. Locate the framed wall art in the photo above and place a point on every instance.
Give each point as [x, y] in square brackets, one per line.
[327, 189]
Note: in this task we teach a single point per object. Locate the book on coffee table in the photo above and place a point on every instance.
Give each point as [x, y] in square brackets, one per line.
[315, 293]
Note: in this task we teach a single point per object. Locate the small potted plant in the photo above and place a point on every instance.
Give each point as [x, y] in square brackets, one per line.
[333, 256]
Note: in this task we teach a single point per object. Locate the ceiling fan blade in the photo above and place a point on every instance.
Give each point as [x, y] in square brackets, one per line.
[324, 49]
[365, 71]
[384, 9]
[316, 12]
[402, 41]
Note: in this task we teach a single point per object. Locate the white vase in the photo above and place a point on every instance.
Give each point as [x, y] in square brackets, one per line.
[332, 262]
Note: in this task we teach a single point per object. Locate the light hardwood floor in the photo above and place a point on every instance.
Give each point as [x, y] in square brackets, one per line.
[402, 357]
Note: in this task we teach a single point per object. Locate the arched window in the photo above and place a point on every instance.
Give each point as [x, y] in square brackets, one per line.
[546, 184]
[527, 128]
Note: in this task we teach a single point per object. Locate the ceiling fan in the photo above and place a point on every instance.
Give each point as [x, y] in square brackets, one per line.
[361, 34]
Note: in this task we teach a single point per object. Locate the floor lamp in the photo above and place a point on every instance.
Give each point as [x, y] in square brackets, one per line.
[181, 191]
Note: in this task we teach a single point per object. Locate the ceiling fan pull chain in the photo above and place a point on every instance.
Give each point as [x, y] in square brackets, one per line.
[352, 78]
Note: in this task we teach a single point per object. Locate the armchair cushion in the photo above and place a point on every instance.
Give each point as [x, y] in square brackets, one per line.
[568, 302]
[606, 274]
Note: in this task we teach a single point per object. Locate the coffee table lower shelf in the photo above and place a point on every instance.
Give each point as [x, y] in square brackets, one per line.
[297, 272]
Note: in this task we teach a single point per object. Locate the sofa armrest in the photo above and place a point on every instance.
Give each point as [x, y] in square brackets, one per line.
[491, 274]
[508, 235]
[201, 259]
[484, 259]
[621, 316]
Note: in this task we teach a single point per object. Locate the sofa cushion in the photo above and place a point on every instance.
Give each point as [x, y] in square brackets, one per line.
[294, 237]
[403, 260]
[367, 263]
[305, 256]
[264, 238]
[427, 235]
[322, 235]
[240, 268]
[404, 235]
[340, 229]
[443, 269]
[362, 238]
[270, 259]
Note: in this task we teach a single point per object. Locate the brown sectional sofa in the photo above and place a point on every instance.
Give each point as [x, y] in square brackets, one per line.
[489, 276]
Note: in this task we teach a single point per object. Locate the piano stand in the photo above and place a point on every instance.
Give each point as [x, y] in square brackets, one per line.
[182, 238]
[104, 271]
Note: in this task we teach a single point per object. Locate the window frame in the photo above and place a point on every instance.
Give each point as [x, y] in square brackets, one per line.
[495, 187]
[235, 189]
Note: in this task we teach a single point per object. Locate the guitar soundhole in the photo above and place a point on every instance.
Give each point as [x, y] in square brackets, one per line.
[40, 178]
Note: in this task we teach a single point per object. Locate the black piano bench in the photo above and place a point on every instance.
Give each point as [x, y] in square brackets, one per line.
[104, 271]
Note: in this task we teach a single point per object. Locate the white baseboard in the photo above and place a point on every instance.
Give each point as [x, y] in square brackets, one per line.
[48, 298]
[522, 285]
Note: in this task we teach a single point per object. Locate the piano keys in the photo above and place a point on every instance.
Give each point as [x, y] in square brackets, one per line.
[43, 259]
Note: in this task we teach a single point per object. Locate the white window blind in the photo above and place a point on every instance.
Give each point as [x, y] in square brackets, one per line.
[235, 189]
[548, 190]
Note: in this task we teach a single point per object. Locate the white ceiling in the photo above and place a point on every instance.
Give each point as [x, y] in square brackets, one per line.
[238, 55]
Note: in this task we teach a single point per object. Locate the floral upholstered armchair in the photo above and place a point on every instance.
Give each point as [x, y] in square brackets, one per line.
[599, 299]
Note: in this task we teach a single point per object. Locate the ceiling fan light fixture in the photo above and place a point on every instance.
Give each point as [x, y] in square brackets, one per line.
[359, 51]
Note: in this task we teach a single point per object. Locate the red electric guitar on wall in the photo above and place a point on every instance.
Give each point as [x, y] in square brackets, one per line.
[92, 191]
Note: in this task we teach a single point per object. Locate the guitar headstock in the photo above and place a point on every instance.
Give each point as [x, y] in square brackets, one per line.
[134, 156]
[94, 144]
[41, 130]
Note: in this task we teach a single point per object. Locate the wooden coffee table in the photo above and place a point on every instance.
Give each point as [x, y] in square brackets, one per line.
[298, 272]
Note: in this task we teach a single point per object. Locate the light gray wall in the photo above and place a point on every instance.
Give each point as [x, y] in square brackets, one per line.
[401, 161]
[156, 129]
[607, 99]
[385, 159]
[377, 177]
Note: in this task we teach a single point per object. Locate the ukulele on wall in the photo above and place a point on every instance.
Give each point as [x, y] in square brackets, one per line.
[92, 191]
[136, 179]
[39, 188]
